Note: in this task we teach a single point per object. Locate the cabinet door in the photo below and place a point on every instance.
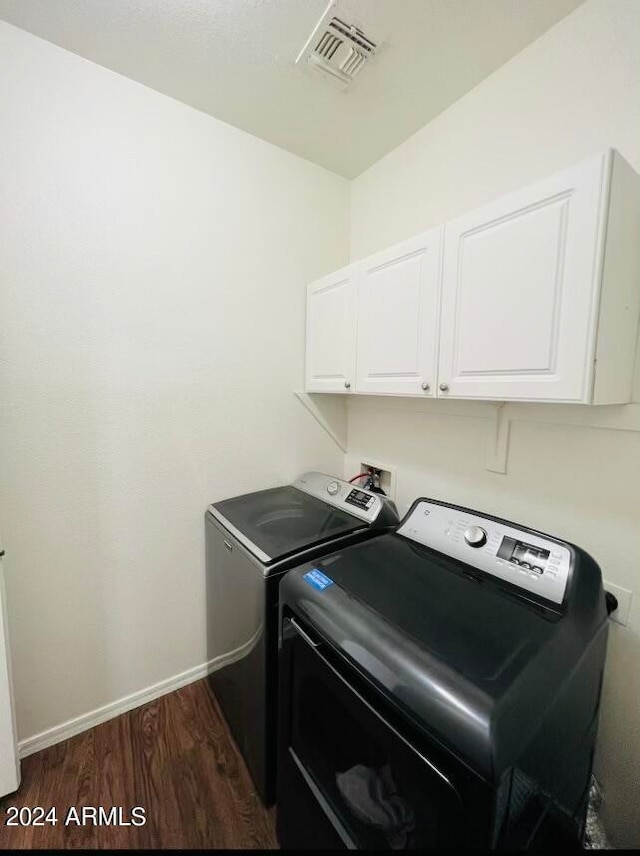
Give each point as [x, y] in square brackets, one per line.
[398, 306]
[331, 332]
[520, 291]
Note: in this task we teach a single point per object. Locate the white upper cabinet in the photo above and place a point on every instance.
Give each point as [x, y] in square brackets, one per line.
[534, 297]
[527, 287]
[331, 332]
[398, 318]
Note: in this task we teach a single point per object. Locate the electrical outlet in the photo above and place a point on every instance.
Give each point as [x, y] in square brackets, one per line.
[623, 596]
[386, 476]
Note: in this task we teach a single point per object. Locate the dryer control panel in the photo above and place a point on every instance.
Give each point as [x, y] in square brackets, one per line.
[533, 562]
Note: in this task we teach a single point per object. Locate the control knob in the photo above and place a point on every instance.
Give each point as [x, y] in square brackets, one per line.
[332, 488]
[475, 536]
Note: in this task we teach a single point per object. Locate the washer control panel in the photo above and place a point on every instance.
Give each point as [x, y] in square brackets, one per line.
[360, 498]
[340, 494]
[532, 562]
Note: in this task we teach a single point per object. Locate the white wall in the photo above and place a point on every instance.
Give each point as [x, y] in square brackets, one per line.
[573, 92]
[151, 334]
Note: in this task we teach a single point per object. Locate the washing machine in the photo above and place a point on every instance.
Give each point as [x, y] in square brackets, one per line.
[251, 542]
[439, 688]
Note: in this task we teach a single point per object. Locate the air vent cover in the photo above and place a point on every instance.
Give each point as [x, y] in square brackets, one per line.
[337, 49]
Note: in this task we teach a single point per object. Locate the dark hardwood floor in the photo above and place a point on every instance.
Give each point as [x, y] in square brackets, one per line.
[174, 757]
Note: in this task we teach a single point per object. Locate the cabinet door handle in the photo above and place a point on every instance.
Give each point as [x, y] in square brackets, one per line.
[426, 386]
[347, 385]
[444, 387]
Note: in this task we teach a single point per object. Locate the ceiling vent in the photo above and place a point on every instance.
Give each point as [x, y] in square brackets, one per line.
[337, 49]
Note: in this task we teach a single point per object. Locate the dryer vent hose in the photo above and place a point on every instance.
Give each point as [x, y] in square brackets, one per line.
[611, 601]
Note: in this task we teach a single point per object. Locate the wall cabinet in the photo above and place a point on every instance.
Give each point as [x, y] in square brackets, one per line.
[398, 317]
[331, 332]
[522, 291]
[534, 297]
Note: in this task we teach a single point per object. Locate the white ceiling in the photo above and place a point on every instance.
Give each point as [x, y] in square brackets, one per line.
[235, 60]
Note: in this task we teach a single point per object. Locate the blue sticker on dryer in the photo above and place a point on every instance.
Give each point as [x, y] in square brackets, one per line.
[317, 579]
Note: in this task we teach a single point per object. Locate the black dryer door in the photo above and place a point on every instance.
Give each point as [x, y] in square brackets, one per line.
[370, 788]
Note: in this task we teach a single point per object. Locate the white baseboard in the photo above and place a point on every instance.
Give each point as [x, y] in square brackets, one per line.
[109, 711]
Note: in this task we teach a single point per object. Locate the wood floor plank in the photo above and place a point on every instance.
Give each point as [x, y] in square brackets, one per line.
[116, 786]
[48, 790]
[203, 795]
[78, 781]
[153, 749]
[29, 794]
[174, 757]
